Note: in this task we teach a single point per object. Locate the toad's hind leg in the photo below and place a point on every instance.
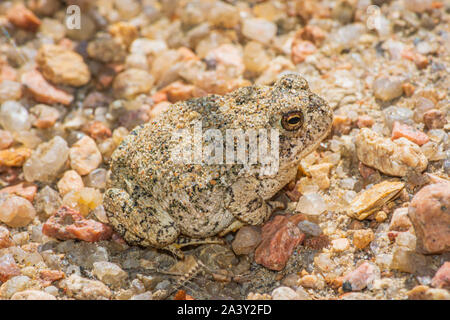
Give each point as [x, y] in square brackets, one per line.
[182, 242]
[140, 226]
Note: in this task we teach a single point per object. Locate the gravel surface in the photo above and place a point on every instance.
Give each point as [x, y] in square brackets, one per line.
[366, 216]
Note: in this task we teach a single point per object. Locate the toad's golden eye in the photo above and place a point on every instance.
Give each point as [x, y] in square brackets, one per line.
[292, 120]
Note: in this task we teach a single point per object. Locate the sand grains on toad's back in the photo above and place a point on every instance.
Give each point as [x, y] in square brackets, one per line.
[247, 147]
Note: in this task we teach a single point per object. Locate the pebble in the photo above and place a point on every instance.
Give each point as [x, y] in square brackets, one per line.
[246, 240]
[47, 201]
[70, 181]
[400, 220]
[362, 238]
[406, 260]
[311, 204]
[6, 139]
[280, 237]
[284, 293]
[43, 91]
[441, 279]
[369, 201]
[364, 121]
[13, 285]
[340, 245]
[361, 277]
[402, 130]
[406, 240]
[132, 82]
[418, 6]
[386, 88]
[62, 66]
[311, 33]
[124, 31]
[83, 200]
[394, 158]
[47, 161]
[177, 91]
[309, 228]
[429, 212]
[319, 174]
[85, 156]
[308, 281]
[255, 58]
[96, 178]
[16, 211]
[5, 240]
[32, 295]
[110, 273]
[10, 90]
[8, 267]
[24, 190]
[143, 296]
[394, 114]
[422, 105]
[426, 293]
[434, 119]
[14, 157]
[68, 224]
[14, 117]
[23, 18]
[301, 49]
[259, 30]
[97, 130]
[86, 289]
[51, 275]
[107, 49]
[46, 116]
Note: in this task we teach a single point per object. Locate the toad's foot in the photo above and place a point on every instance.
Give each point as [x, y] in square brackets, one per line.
[233, 227]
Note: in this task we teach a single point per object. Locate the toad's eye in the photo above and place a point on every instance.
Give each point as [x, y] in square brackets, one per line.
[292, 120]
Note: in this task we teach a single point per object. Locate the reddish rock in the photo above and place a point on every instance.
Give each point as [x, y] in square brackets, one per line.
[442, 277]
[51, 275]
[24, 190]
[23, 18]
[359, 278]
[97, 130]
[434, 119]
[429, 212]
[8, 267]
[177, 91]
[43, 91]
[68, 224]
[402, 130]
[280, 237]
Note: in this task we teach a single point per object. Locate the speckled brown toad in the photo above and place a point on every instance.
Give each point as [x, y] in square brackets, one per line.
[152, 200]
